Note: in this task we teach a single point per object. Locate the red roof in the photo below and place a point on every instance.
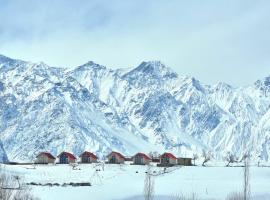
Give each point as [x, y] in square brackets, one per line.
[170, 155]
[70, 155]
[118, 154]
[87, 153]
[49, 155]
[143, 155]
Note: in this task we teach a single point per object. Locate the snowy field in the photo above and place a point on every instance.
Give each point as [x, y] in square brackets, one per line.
[126, 182]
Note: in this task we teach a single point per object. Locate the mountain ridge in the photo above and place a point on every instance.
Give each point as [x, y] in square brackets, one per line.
[145, 108]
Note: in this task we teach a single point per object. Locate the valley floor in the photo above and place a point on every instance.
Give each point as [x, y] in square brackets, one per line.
[126, 182]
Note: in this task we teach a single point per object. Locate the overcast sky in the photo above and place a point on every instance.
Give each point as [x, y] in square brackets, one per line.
[211, 40]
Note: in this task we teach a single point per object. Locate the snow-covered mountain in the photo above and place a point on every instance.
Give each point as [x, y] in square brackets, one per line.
[146, 108]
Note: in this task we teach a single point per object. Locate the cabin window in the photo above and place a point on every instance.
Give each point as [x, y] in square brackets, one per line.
[165, 160]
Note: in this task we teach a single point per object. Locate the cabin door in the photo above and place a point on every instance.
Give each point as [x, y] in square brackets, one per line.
[43, 160]
[113, 159]
[138, 160]
[64, 159]
[165, 160]
[85, 159]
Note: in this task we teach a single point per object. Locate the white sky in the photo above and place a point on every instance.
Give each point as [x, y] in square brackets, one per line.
[213, 41]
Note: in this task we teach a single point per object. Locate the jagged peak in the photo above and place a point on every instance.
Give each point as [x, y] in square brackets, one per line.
[263, 85]
[222, 86]
[90, 65]
[152, 65]
[4, 59]
[193, 82]
[263, 82]
[154, 68]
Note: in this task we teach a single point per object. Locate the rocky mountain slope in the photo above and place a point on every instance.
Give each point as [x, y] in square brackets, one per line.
[146, 108]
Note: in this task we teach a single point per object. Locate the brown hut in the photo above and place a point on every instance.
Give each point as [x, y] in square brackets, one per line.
[45, 158]
[184, 161]
[66, 158]
[167, 159]
[141, 159]
[116, 158]
[88, 157]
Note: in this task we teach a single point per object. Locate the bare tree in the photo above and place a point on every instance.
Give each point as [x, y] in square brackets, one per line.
[259, 160]
[12, 189]
[245, 155]
[5, 194]
[245, 194]
[154, 155]
[149, 185]
[235, 196]
[193, 196]
[230, 158]
[246, 176]
[206, 156]
[195, 157]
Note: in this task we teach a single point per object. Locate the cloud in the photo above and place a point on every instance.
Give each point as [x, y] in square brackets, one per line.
[213, 41]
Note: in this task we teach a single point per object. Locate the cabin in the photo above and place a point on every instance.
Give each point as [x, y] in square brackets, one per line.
[45, 158]
[141, 159]
[116, 158]
[88, 157]
[167, 160]
[184, 161]
[66, 158]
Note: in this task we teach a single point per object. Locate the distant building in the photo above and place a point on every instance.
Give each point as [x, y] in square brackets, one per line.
[45, 158]
[141, 159]
[66, 158]
[184, 161]
[88, 157]
[167, 159]
[116, 158]
[128, 158]
[155, 160]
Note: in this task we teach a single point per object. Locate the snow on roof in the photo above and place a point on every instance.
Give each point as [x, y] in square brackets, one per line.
[49, 155]
[170, 155]
[70, 155]
[118, 154]
[143, 155]
[90, 154]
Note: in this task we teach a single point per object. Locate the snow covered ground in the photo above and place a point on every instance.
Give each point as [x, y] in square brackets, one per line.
[123, 183]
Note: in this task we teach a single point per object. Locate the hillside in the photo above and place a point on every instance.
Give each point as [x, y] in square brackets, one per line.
[145, 108]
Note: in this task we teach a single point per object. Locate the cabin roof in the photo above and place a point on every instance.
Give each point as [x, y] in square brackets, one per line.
[70, 155]
[90, 154]
[49, 155]
[143, 155]
[117, 153]
[170, 155]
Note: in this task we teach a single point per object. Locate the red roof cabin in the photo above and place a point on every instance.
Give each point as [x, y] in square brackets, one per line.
[167, 159]
[141, 159]
[66, 158]
[45, 158]
[88, 157]
[116, 158]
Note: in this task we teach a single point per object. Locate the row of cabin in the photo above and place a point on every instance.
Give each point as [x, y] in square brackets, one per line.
[166, 159]
[65, 158]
